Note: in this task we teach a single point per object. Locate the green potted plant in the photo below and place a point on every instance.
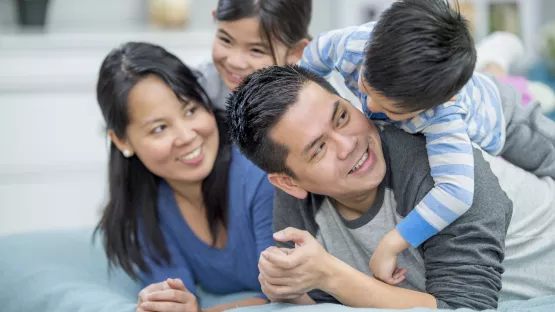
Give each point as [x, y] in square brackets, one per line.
[31, 12]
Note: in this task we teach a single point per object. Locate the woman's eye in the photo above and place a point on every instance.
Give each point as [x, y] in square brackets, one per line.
[191, 111]
[159, 129]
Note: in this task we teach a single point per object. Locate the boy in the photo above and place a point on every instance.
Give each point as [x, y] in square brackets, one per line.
[415, 69]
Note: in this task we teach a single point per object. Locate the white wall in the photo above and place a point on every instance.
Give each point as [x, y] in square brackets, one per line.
[53, 148]
[108, 15]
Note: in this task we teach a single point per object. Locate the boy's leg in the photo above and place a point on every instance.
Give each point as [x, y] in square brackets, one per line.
[530, 135]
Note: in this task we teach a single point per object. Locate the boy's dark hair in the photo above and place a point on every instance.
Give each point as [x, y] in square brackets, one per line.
[258, 104]
[421, 53]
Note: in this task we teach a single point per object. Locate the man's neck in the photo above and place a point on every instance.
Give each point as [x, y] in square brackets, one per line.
[354, 206]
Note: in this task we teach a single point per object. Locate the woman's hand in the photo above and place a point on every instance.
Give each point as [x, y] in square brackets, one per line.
[168, 296]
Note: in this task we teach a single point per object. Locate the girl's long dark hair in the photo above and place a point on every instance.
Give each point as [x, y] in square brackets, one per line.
[133, 189]
[284, 20]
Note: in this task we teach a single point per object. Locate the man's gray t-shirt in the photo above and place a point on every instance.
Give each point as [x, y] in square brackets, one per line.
[460, 266]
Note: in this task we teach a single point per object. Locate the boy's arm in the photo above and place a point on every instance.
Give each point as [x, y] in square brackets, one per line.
[452, 168]
[463, 262]
[324, 51]
[341, 50]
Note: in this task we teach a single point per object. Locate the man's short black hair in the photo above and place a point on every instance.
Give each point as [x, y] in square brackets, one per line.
[258, 104]
[420, 54]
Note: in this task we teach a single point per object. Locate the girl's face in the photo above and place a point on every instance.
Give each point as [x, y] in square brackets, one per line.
[238, 50]
[176, 139]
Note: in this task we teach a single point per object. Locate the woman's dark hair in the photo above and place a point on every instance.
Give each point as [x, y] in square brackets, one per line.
[283, 20]
[133, 205]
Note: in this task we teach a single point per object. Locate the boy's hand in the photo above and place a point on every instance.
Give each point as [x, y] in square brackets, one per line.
[383, 264]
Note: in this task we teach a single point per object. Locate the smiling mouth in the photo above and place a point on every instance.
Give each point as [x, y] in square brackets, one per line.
[235, 78]
[360, 162]
[192, 154]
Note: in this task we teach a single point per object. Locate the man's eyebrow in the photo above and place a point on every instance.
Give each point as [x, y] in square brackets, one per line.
[335, 108]
[310, 145]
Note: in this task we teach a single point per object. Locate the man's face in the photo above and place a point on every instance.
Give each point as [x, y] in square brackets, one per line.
[334, 149]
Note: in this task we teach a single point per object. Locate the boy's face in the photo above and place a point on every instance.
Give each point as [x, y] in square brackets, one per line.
[378, 103]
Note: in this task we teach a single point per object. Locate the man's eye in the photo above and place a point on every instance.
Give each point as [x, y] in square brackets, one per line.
[342, 117]
[319, 149]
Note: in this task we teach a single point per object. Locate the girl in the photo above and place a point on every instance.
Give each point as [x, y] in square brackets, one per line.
[252, 35]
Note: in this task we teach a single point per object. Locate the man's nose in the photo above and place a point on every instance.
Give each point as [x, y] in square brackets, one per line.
[346, 144]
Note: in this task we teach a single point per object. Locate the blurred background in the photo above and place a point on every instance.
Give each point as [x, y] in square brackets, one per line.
[53, 145]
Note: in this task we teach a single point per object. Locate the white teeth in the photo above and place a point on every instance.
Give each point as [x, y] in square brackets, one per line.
[192, 154]
[236, 77]
[360, 162]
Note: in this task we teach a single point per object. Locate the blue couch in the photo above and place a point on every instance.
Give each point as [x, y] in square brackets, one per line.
[59, 271]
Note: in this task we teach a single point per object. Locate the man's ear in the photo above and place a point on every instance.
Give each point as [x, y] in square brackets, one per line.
[287, 184]
[296, 52]
[122, 145]
[214, 14]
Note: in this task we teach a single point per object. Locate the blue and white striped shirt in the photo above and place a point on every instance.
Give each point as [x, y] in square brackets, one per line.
[476, 117]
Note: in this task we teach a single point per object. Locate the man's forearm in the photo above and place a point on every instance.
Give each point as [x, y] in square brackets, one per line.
[356, 289]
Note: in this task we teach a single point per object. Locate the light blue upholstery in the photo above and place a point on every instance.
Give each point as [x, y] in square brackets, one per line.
[59, 271]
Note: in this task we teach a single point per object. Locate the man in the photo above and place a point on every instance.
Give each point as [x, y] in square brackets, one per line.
[344, 182]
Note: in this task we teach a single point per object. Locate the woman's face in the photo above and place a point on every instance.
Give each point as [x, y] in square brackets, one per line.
[176, 139]
[238, 50]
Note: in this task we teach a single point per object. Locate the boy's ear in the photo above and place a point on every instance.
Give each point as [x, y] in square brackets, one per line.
[214, 14]
[287, 184]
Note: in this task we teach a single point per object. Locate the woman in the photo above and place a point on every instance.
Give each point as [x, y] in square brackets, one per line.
[183, 202]
[251, 35]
